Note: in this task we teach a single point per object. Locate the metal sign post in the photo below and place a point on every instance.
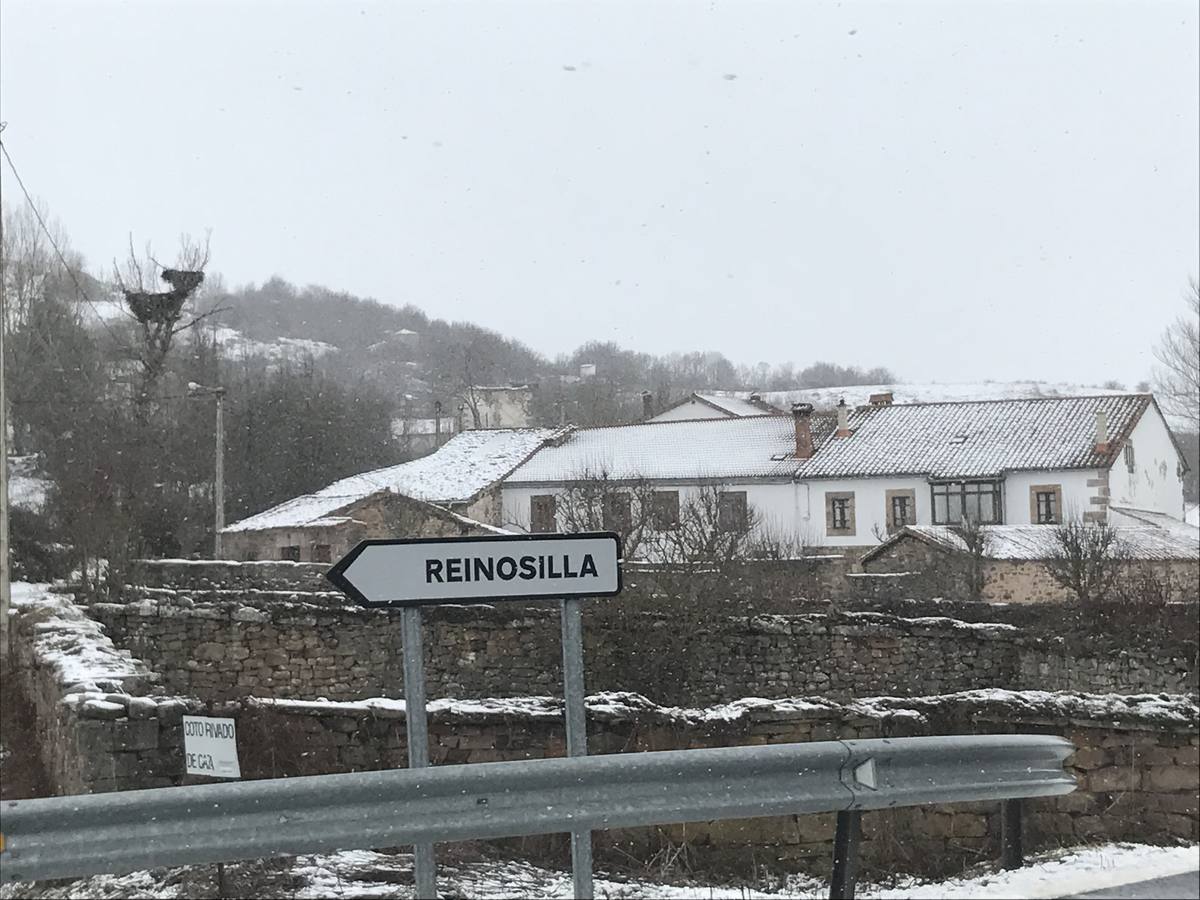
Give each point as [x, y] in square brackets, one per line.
[576, 713]
[416, 725]
[410, 573]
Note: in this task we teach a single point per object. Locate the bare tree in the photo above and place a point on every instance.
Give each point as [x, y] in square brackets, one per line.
[1177, 378]
[1087, 558]
[161, 315]
[595, 501]
[974, 557]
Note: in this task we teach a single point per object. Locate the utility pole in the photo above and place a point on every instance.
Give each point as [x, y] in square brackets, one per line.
[5, 581]
[218, 393]
[219, 478]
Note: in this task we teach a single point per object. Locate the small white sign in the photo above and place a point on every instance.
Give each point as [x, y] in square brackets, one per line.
[210, 747]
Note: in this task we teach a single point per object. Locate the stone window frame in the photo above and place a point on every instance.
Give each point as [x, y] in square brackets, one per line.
[851, 526]
[289, 553]
[733, 511]
[322, 553]
[543, 511]
[890, 509]
[1034, 513]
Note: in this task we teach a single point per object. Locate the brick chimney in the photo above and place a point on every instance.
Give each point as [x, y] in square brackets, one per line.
[843, 428]
[1101, 431]
[647, 404]
[802, 416]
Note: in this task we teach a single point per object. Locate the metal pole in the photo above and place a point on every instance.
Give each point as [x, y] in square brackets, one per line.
[845, 854]
[1012, 837]
[5, 586]
[424, 868]
[219, 480]
[572, 643]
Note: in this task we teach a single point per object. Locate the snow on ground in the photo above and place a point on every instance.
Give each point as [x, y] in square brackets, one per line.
[233, 343]
[26, 488]
[370, 874]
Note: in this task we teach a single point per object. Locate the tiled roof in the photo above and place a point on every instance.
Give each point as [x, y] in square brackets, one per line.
[745, 447]
[1034, 542]
[975, 439]
[461, 468]
[736, 406]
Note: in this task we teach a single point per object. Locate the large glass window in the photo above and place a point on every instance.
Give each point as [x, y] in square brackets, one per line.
[956, 501]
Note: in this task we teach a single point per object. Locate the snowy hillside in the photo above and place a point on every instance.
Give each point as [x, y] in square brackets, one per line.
[927, 392]
[111, 312]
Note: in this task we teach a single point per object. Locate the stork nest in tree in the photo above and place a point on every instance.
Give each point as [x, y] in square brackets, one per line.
[164, 307]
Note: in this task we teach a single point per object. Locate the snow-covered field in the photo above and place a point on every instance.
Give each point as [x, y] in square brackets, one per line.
[370, 874]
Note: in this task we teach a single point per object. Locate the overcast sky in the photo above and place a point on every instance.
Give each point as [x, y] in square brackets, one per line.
[955, 190]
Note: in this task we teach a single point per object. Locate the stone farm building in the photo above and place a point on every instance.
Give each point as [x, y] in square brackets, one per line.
[925, 559]
[452, 492]
[850, 480]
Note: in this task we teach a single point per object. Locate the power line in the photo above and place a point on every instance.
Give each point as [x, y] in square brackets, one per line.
[53, 243]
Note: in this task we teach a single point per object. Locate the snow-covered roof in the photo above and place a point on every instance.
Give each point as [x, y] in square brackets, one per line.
[978, 439]
[1035, 542]
[924, 392]
[456, 473]
[936, 440]
[744, 447]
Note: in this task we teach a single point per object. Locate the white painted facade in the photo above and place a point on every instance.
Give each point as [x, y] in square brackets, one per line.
[690, 409]
[498, 407]
[798, 508]
[1156, 482]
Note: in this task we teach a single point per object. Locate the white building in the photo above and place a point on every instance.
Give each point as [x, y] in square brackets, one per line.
[497, 406]
[716, 406]
[852, 478]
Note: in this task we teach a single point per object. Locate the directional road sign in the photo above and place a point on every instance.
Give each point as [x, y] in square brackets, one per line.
[422, 571]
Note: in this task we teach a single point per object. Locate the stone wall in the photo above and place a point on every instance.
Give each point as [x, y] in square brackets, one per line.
[103, 722]
[219, 644]
[1137, 780]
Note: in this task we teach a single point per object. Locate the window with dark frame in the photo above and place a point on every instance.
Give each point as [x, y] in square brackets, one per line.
[731, 511]
[840, 510]
[956, 501]
[665, 511]
[322, 553]
[902, 511]
[1130, 465]
[1047, 507]
[618, 513]
[542, 510]
[290, 553]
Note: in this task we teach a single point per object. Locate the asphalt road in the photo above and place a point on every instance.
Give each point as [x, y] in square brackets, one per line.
[1173, 887]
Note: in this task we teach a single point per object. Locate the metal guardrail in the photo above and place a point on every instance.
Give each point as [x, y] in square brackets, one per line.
[61, 837]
